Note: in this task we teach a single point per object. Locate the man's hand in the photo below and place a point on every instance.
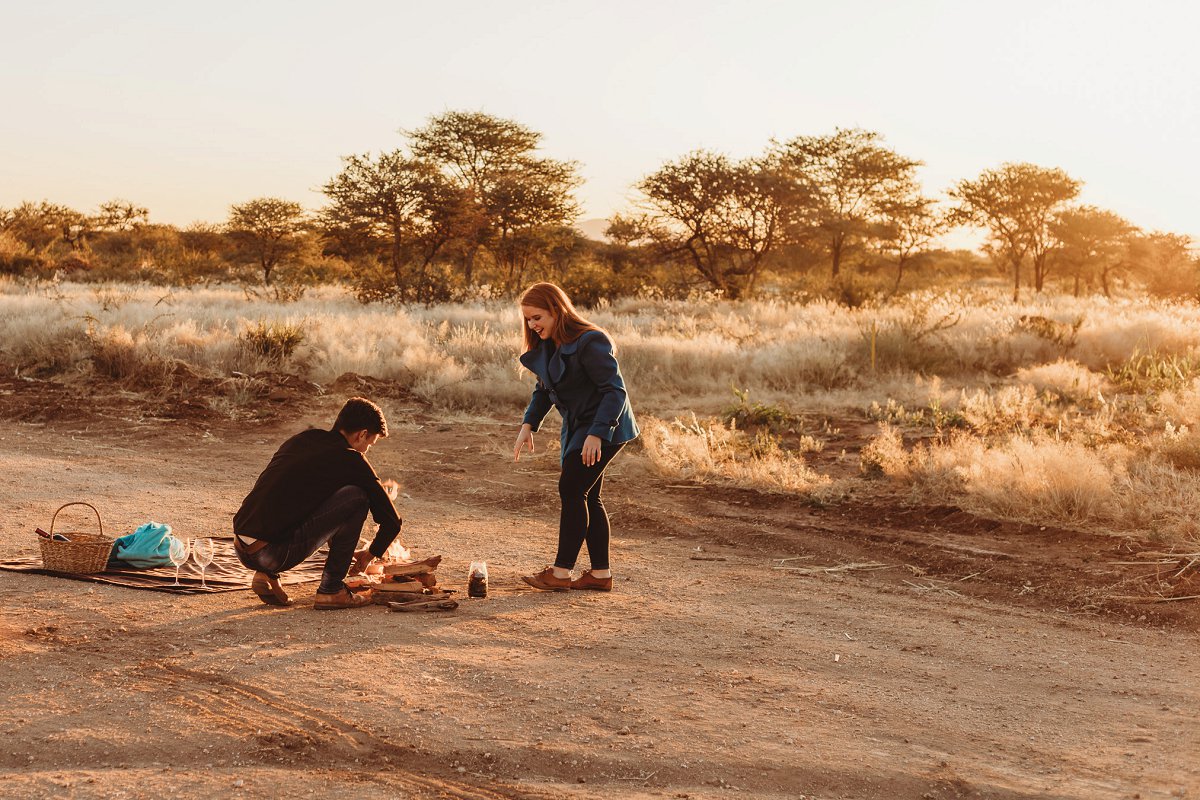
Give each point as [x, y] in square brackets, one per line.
[361, 559]
[591, 450]
[525, 437]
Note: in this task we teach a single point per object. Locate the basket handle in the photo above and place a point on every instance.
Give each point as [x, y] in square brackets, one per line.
[89, 505]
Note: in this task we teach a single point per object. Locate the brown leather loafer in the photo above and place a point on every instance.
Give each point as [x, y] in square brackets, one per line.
[343, 599]
[269, 590]
[546, 581]
[589, 581]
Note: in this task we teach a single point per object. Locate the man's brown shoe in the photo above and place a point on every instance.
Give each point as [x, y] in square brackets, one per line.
[269, 590]
[546, 581]
[589, 581]
[343, 599]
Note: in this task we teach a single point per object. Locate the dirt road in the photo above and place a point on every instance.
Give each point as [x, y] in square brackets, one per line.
[934, 656]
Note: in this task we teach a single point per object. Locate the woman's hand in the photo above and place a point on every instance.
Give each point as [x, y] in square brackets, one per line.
[591, 450]
[523, 438]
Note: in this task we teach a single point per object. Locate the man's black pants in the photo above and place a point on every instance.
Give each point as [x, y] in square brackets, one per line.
[336, 522]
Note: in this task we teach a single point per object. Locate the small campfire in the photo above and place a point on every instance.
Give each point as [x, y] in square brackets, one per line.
[404, 584]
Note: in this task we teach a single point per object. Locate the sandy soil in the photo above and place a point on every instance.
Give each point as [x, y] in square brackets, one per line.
[975, 659]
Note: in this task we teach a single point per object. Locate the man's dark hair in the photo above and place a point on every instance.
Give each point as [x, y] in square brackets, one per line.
[360, 414]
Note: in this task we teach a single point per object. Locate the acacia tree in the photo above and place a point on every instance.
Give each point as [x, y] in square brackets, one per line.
[268, 229]
[40, 226]
[526, 206]
[398, 204]
[910, 223]
[1015, 203]
[119, 215]
[509, 191]
[1165, 263]
[1090, 242]
[847, 178]
[720, 216]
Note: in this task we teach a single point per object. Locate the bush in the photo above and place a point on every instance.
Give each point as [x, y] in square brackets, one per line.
[1153, 372]
[911, 341]
[120, 355]
[16, 258]
[771, 417]
[273, 341]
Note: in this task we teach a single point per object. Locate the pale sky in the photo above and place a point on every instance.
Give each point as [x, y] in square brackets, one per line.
[186, 108]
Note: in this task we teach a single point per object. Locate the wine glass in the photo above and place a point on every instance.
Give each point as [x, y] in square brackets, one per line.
[178, 551]
[202, 551]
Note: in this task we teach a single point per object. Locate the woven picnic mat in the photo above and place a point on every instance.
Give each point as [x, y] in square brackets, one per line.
[224, 574]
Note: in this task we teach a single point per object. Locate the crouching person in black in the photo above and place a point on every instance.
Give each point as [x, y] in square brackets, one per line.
[317, 490]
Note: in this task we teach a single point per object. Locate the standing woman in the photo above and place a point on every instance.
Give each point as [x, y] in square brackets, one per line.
[577, 373]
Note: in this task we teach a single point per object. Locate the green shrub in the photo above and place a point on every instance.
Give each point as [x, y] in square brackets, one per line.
[274, 341]
[759, 415]
[1154, 372]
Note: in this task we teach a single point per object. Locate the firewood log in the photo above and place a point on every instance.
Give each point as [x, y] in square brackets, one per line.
[427, 605]
[413, 567]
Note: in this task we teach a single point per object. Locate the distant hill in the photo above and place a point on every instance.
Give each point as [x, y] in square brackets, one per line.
[593, 229]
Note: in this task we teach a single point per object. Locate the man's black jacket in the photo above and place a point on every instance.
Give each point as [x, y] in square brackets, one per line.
[306, 470]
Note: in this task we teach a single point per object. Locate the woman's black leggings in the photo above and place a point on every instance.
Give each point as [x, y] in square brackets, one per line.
[583, 516]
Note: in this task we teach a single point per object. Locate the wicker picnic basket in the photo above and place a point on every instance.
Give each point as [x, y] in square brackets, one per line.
[85, 552]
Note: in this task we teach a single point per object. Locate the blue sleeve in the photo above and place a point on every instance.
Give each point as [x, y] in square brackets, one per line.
[600, 364]
[539, 407]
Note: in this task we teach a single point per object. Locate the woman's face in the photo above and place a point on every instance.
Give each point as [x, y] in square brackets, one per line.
[539, 320]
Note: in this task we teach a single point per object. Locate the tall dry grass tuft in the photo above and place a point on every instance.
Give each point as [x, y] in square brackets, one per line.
[1111, 488]
[710, 452]
[1066, 482]
[1069, 380]
[885, 454]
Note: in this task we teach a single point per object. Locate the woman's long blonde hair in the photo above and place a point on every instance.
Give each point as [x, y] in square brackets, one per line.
[568, 325]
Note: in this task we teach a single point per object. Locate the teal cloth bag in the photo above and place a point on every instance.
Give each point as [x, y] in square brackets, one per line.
[147, 547]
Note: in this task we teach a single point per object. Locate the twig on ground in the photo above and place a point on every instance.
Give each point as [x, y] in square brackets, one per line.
[709, 558]
[1157, 599]
[974, 575]
[931, 587]
[866, 565]
[642, 778]
[1191, 563]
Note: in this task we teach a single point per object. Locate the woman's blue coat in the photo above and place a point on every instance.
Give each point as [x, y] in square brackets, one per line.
[583, 381]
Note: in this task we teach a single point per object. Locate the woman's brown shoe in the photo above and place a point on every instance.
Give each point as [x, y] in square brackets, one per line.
[343, 599]
[546, 581]
[589, 581]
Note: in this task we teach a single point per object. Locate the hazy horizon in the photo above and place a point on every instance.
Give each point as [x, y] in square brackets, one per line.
[188, 115]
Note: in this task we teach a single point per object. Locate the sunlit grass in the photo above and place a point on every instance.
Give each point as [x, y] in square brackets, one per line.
[1076, 411]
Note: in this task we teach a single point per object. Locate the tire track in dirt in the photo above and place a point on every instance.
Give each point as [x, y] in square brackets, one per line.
[274, 722]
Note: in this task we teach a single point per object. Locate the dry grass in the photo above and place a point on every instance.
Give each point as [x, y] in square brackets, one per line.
[1110, 488]
[1056, 410]
[709, 452]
